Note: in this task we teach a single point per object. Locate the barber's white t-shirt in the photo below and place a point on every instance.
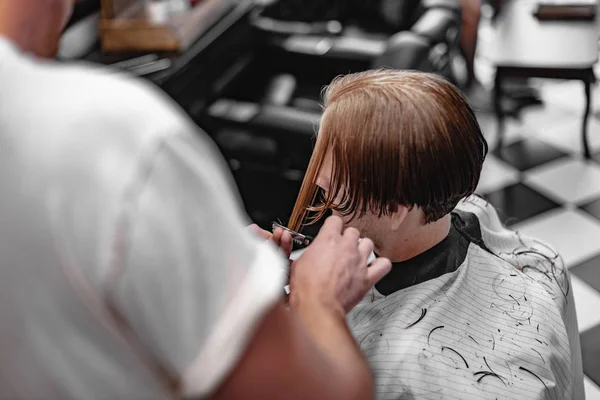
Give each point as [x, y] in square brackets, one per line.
[125, 268]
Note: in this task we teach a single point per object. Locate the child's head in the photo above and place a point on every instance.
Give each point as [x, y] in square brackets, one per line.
[392, 141]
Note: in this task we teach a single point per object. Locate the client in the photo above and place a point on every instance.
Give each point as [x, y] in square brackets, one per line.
[471, 310]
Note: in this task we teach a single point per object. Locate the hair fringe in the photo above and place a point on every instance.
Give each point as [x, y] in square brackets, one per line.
[440, 145]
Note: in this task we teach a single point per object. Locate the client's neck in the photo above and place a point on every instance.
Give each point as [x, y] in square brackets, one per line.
[413, 238]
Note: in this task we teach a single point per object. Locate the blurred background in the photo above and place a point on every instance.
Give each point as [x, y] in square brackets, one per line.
[250, 74]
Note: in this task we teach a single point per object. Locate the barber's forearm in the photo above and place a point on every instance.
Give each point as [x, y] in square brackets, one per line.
[326, 325]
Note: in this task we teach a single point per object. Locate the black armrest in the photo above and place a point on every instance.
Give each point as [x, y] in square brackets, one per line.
[274, 26]
[281, 119]
[345, 47]
[450, 5]
[406, 50]
[440, 23]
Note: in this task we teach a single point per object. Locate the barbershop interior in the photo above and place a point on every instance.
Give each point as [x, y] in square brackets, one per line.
[254, 78]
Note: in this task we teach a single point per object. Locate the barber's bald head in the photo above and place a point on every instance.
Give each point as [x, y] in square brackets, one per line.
[35, 25]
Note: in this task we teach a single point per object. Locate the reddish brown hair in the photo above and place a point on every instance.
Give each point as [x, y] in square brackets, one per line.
[398, 138]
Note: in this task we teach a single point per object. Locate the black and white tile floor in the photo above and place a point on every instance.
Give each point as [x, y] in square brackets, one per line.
[543, 187]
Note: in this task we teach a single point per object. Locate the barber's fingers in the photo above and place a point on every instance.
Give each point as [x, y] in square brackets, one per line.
[280, 238]
[283, 239]
[259, 231]
[285, 243]
[277, 235]
[332, 226]
[378, 269]
[365, 248]
[352, 235]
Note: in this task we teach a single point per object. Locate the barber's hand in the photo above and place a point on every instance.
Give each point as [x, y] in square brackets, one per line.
[280, 238]
[333, 270]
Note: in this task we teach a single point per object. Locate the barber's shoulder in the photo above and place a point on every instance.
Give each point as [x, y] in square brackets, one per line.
[124, 101]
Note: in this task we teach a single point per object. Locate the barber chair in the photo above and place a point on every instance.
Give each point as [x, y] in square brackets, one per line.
[421, 35]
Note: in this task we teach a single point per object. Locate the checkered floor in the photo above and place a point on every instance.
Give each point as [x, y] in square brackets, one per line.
[543, 187]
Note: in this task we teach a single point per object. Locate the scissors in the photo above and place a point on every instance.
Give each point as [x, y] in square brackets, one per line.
[298, 239]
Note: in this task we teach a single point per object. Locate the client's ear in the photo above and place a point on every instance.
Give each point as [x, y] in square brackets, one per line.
[398, 217]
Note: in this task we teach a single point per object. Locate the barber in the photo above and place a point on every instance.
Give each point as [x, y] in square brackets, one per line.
[126, 270]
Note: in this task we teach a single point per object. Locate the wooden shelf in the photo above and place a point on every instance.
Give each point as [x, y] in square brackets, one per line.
[128, 28]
